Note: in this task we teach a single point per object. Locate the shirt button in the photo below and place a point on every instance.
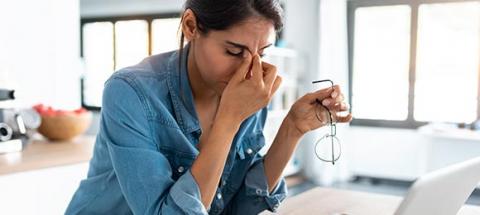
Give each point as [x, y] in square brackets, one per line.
[259, 192]
[224, 183]
[181, 169]
[219, 196]
[249, 151]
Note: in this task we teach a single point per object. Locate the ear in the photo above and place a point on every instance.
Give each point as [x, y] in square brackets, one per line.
[189, 25]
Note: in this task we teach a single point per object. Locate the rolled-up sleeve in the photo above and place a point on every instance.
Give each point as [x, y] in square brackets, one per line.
[144, 173]
[183, 193]
[254, 196]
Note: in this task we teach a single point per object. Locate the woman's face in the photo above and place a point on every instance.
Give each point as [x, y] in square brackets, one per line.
[218, 54]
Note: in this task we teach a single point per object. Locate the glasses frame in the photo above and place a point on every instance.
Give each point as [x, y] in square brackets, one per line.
[333, 129]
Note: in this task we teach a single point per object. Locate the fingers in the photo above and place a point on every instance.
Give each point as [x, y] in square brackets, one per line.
[333, 102]
[243, 69]
[336, 91]
[270, 75]
[344, 119]
[335, 98]
[257, 71]
[276, 85]
[340, 107]
[318, 95]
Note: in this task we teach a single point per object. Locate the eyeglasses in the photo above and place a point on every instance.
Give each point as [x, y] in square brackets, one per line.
[327, 148]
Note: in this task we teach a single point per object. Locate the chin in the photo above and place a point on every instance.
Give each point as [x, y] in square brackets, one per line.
[221, 87]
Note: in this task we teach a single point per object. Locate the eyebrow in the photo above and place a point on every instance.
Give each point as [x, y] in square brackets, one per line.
[244, 46]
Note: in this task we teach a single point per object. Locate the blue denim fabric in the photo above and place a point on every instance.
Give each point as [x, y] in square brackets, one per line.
[146, 145]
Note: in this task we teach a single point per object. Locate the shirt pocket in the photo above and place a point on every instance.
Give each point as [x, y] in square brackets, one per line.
[251, 145]
[247, 150]
[180, 162]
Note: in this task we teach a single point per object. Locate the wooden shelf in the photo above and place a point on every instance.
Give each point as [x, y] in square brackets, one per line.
[42, 153]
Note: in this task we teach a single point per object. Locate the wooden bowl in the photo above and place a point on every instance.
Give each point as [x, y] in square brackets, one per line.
[65, 126]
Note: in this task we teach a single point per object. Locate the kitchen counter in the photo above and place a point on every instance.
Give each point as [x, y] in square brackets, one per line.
[41, 153]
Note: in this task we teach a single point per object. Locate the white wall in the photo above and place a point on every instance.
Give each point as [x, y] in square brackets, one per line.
[95, 8]
[39, 51]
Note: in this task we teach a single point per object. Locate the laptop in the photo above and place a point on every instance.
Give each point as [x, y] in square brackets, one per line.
[442, 192]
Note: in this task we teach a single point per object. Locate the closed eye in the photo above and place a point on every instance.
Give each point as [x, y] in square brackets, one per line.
[242, 48]
[240, 54]
[235, 54]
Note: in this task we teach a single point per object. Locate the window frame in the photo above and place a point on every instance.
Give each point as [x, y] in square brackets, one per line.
[149, 18]
[410, 122]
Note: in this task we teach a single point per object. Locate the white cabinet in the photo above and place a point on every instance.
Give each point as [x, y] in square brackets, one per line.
[403, 154]
[45, 191]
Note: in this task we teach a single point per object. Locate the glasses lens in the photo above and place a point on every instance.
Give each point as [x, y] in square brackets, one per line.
[328, 148]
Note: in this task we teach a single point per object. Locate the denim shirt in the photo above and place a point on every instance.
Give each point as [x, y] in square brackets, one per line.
[147, 143]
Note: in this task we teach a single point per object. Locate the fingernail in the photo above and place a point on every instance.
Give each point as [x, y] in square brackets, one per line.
[326, 102]
[334, 94]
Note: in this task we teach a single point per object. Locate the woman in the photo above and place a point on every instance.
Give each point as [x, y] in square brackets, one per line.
[180, 132]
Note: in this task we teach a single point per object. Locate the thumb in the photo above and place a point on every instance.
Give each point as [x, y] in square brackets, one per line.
[319, 95]
[243, 69]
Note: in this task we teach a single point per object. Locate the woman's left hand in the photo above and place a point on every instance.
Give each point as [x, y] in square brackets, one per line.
[303, 114]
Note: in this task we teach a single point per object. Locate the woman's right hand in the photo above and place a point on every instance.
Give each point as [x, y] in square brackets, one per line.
[249, 90]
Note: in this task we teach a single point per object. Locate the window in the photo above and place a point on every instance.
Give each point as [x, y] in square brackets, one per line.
[131, 42]
[382, 38]
[109, 44]
[413, 62]
[447, 62]
[164, 31]
[98, 57]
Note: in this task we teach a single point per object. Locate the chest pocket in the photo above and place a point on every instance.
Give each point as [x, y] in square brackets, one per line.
[179, 163]
[247, 149]
[251, 145]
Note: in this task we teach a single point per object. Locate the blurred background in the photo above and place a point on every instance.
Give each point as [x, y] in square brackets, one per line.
[410, 69]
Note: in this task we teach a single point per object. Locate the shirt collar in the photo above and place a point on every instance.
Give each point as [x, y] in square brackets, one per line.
[181, 92]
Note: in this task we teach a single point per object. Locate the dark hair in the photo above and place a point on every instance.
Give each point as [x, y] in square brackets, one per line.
[223, 14]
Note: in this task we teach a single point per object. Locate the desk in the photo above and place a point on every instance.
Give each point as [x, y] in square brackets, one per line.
[327, 201]
[42, 153]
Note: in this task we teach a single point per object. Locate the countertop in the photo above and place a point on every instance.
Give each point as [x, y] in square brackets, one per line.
[41, 153]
